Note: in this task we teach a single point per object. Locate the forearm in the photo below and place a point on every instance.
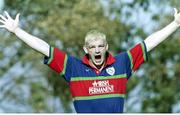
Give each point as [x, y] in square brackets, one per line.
[159, 36]
[34, 42]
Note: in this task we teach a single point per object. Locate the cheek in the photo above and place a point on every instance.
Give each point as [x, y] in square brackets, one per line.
[91, 54]
[103, 51]
[103, 55]
[91, 51]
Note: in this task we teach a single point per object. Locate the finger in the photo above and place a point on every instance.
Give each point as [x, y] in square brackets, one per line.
[2, 26]
[175, 11]
[2, 21]
[17, 17]
[7, 15]
[3, 17]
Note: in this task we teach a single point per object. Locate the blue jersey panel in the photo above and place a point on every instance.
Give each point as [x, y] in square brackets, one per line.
[106, 105]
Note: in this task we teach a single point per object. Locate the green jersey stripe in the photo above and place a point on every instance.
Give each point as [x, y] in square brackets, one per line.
[144, 52]
[51, 55]
[98, 77]
[65, 63]
[98, 96]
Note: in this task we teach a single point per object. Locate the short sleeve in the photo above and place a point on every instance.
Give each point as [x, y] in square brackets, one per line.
[137, 55]
[57, 60]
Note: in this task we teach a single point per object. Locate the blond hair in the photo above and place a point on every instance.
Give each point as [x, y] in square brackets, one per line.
[94, 35]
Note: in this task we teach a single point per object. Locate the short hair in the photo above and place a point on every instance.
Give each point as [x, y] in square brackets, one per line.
[94, 35]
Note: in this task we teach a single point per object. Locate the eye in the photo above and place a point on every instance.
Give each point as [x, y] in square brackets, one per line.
[101, 46]
[91, 47]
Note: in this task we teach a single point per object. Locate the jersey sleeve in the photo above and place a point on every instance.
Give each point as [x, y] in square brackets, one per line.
[137, 55]
[57, 60]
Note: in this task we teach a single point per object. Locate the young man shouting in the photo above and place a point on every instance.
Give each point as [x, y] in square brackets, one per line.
[98, 81]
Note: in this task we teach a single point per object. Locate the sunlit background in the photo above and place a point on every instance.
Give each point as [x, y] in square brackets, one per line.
[28, 86]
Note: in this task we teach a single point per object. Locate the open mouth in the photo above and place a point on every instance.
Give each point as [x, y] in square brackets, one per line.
[98, 57]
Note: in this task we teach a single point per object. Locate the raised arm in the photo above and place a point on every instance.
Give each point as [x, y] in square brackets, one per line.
[157, 37]
[12, 25]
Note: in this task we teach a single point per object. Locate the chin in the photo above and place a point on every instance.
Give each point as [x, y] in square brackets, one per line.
[99, 64]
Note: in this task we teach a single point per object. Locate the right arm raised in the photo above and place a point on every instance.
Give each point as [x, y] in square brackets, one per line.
[34, 42]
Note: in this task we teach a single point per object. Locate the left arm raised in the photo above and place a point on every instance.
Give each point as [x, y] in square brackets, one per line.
[156, 38]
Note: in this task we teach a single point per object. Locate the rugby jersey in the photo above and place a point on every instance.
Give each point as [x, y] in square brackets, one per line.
[96, 91]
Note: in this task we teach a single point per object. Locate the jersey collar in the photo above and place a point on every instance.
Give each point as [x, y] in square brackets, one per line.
[109, 60]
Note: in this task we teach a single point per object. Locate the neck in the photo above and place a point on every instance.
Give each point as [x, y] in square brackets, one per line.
[98, 67]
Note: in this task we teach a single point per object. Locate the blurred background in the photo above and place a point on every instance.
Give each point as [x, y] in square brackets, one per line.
[28, 86]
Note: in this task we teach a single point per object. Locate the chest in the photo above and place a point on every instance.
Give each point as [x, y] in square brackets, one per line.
[87, 71]
[87, 83]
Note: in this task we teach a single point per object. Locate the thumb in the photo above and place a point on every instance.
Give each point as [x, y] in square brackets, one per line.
[175, 12]
[17, 17]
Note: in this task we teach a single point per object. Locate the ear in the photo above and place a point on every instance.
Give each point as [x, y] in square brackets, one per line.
[85, 49]
[107, 47]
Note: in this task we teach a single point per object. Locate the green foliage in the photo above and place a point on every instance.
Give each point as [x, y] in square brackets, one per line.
[64, 23]
[38, 95]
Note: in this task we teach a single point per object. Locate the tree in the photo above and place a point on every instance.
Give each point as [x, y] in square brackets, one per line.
[62, 24]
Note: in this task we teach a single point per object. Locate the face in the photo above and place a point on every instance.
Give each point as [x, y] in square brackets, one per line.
[97, 51]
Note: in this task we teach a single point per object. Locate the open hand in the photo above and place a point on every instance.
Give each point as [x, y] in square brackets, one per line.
[9, 23]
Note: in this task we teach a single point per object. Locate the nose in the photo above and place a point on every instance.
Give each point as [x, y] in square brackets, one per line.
[97, 50]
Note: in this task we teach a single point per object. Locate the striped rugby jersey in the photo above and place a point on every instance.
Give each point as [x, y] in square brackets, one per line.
[96, 91]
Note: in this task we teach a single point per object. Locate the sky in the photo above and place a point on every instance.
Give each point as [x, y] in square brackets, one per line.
[137, 15]
[1, 4]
